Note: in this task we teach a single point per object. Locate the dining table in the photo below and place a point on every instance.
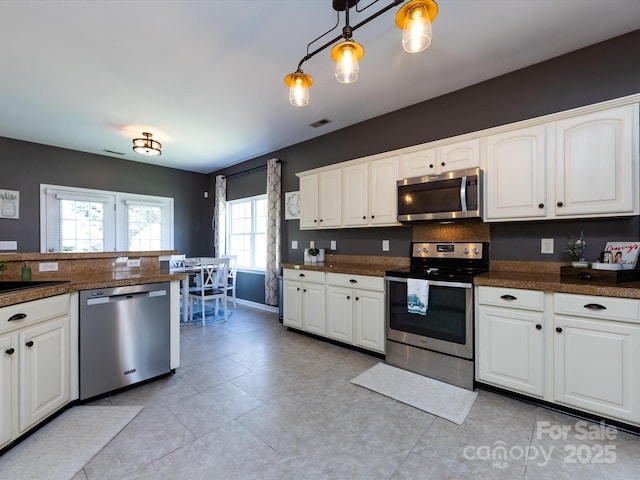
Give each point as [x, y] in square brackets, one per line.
[189, 271]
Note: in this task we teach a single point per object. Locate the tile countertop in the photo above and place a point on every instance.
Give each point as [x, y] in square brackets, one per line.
[86, 282]
[552, 282]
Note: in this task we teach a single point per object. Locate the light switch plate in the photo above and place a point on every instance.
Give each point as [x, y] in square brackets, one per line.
[48, 266]
[385, 245]
[8, 245]
[546, 245]
[312, 244]
[294, 244]
[333, 244]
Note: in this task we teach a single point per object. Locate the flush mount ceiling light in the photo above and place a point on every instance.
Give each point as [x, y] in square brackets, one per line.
[414, 18]
[146, 146]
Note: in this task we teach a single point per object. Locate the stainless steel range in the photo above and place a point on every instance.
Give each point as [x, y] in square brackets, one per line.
[429, 315]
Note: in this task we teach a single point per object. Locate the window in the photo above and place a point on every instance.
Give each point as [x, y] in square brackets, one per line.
[247, 231]
[85, 220]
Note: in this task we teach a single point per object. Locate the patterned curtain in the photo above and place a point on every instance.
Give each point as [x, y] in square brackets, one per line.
[273, 232]
[220, 217]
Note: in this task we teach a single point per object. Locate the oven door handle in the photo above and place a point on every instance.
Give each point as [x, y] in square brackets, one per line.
[435, 283]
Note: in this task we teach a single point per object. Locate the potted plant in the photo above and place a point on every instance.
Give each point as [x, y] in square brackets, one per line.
[313, 253]
[575, 249]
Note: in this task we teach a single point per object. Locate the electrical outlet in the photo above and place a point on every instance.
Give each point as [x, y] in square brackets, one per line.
[48, 266]
[312, 244]
[133, 263]
[333, 244]
[385, 245]
[8, 245]
[546, 245]
[294, 244]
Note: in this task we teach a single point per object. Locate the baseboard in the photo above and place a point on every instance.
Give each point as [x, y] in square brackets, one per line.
[249, 303]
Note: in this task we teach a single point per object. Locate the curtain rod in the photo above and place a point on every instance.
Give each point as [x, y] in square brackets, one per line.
[248, 171]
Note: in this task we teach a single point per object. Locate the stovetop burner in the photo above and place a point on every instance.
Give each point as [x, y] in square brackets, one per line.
[451, 261]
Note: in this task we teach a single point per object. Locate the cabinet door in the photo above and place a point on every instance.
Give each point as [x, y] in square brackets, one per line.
[44, 370]
[8, 382]
[595, 163]
[309, 201]
[355, 195]
[515, 177]
[329, 198]
[383, 191]
[511, 349]
[596, 366]
[419, 164]
[292, 308]
[313, 308]
[340, 314]
[459, 156]
[369, 319]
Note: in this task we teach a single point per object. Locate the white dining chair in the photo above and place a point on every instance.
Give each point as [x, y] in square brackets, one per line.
[231, 278]
[213, 273]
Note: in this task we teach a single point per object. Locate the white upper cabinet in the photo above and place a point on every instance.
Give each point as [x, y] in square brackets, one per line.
[594, 166]
[320, 204]
[577, 167]
[383, 191]
[447, 158]
[355, 195]
[516, 174]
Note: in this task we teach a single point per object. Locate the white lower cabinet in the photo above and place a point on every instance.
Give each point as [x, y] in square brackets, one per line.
[581, 351]
[304, 300]
[596, 360]
[34, 344]
[346, 308]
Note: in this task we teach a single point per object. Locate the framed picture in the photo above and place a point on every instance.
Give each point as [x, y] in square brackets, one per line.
[624, 252]
[10, 204]
[292, 205]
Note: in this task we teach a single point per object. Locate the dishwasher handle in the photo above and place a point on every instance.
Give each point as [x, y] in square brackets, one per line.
[125, 297]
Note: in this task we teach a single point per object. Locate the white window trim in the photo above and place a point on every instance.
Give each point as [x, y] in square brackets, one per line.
[116, 202]
[244, 269]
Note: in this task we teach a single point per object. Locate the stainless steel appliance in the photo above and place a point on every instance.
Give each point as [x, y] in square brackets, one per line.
[450, 195]
[124, 336]
[438, 344]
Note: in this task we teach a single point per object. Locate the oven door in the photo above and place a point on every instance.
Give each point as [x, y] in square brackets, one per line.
[446, 327]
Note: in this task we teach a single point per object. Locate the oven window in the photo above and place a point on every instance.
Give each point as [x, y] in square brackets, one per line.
[445, 318]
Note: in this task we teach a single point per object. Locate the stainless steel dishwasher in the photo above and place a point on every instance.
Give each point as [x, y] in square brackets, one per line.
[124, 336]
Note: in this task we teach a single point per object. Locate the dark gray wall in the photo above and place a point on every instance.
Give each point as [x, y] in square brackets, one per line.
[26, 165]
[601, 72]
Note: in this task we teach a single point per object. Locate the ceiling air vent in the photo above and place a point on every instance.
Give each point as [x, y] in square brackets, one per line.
[111, 151]
[319, 123]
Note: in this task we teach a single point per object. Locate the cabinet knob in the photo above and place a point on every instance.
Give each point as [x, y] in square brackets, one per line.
[29, 343]
[373, 216]
[304, 289]
[541, 205]
[559, 204]
[17, 316]
[559, 329]
[443, 164]
[508, 297]
[431, 165]
[321, 220]
[357, 298]
[315, 221]
[538, 327]
[298, 289]
[353, 280]
[348, 297]
[10, 351]
[301, 275]
[364, 217]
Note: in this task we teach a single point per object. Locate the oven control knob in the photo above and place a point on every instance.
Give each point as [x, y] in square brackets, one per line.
[476, 250]
[425, 250]
[417, 249]
[466, 250]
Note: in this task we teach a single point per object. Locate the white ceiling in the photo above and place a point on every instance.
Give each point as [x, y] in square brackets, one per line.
[206, 77]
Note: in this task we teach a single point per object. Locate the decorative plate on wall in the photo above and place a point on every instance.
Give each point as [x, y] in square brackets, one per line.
[292, 205]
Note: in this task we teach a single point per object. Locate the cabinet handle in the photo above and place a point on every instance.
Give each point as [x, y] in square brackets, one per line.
[17, 316]
[29, 343]
[559, 329]
[353, 280]
[559, 204]
[595, 306]
[538, 326]
[541, 205]
[301, 275]
[585, 276]
[10, 351]
[508, 297]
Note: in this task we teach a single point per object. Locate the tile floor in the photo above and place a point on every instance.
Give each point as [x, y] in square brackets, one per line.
[254, 401]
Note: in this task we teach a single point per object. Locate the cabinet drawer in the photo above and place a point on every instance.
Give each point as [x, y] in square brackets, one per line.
[607, 308]
[511, 297]
[34, 312]
[364, 282]
[303, 275]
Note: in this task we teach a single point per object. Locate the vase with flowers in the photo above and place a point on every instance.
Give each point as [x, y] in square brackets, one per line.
[575, 249]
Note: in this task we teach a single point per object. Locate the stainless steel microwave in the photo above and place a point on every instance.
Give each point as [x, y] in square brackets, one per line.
[449, 195]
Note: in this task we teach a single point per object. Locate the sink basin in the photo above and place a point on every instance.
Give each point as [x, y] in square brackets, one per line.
[15, 285]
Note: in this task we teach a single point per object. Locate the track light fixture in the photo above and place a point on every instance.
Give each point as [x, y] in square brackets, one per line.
[146, 146]
[414, 18]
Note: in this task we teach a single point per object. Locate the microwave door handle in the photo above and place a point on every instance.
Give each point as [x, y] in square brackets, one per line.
[463, 193]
